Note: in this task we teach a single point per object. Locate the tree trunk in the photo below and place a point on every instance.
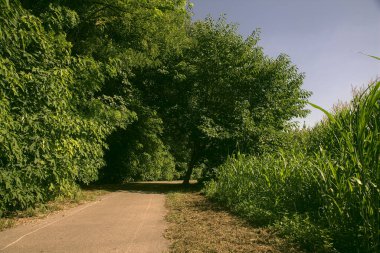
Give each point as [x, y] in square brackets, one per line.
[190, 167]
[186, 180]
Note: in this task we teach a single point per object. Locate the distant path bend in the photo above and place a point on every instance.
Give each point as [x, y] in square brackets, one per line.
[122, 221]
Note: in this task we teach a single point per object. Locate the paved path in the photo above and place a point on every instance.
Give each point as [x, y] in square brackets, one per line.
[122, 221]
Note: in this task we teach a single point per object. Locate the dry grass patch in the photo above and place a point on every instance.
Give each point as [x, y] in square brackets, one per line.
[198, 225]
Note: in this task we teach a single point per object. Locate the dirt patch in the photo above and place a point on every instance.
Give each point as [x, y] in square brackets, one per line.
[198, 225]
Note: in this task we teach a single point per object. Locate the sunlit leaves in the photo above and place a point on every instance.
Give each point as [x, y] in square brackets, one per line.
[53, 128]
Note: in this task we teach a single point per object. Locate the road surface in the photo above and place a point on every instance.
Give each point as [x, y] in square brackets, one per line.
[122, 221]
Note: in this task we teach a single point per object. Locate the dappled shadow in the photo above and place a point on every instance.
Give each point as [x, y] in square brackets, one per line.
[149, 187]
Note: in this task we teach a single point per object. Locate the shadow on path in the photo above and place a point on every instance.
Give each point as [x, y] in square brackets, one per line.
[162, 187]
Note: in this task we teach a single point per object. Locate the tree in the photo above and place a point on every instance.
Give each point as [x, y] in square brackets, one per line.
[224, 95]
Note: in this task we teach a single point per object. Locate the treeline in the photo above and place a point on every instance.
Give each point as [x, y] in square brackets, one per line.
[120, 90]
[323, 190]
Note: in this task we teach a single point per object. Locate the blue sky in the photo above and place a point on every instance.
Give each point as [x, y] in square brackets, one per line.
[323, 38]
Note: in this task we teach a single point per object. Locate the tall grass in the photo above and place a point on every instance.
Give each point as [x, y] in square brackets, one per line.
[350, 178]
[324, 195]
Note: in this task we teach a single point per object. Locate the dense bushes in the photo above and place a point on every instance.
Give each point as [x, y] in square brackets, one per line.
[52, 128]
[330, 188]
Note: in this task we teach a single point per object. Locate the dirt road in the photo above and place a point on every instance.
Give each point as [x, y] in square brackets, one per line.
[122, 221]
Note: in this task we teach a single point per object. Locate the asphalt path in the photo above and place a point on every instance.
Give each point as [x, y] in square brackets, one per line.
[121, 221]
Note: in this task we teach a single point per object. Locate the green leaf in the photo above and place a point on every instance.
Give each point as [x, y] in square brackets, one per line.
[329, 115]
[377, 58]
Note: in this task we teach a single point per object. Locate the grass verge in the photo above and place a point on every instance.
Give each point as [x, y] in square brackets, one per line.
[198, 225]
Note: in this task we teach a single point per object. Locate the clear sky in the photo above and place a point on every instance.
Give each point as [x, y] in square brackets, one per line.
[323, 38]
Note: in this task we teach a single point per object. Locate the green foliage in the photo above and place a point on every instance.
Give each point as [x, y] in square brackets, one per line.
[52, 127]
[125, 38]
[280, 183]
[306, 233]
[71, 70]
[330, 186]
[222, 94]
[163, 94]
[130, 37]
[138, 153]
[60, 18]
[350, 179]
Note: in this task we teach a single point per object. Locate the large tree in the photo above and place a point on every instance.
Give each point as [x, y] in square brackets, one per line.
[224, 95]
